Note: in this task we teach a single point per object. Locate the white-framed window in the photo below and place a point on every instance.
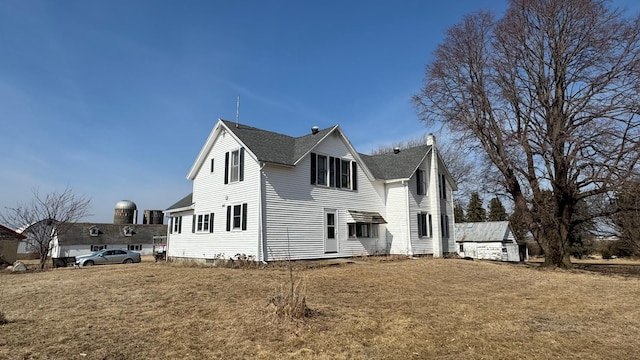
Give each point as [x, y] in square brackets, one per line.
[443, 186]
[237, 217]
[421, 182]
[331, 225]
[322, 170]
[345, 174]
[234, 171]
[333, 172]
[234, 166]
[98, 247]
[461, 247]
[134, 247]
[94, 231]
[203, 223]
[424, 225]
[363, 230]
[444, 226]
[175, 224]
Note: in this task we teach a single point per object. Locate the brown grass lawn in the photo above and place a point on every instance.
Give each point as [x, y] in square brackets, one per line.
[405, 309]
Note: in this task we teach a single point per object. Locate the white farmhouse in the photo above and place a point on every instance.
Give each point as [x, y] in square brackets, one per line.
[490, 240]
[272, 196]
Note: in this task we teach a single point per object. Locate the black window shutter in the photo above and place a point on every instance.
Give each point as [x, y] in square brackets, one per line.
[338, 173]
[313, 168]
[241, 177]
[228, 218]
[226, 167]
[430, 227]
[419, 182]
[354, 175]
[332, 171]
[211, 222]
[179, 224]
[193, 224]
[244, 216]
[420, 234]
[171, 225]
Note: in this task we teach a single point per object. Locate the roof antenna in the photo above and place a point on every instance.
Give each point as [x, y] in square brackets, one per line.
[238, 111]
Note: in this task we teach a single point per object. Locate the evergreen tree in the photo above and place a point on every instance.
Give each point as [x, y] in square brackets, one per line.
[496, 210]
[475, 211]
[458, 213]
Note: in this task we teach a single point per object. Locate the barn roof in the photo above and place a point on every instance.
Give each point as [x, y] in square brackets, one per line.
[111, 234]
[488, 231]
[8, 234]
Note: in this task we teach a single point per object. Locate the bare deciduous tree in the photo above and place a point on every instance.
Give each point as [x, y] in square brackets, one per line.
[549, 94]
[45, 217]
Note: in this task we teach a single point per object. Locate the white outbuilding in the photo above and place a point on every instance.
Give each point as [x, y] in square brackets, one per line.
[490, 240]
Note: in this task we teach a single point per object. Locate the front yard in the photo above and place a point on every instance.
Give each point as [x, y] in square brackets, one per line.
[402, 309]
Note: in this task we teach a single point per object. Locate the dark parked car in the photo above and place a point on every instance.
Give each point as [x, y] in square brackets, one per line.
[105, 257]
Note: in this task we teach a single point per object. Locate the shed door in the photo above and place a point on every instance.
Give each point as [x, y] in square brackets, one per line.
[330, 232]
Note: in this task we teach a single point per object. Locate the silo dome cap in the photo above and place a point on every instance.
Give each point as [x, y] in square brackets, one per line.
[126, 205]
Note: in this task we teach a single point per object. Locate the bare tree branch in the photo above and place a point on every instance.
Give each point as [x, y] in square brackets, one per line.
[551, 94]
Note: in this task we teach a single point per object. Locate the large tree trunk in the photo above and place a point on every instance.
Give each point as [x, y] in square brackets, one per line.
[557, 252]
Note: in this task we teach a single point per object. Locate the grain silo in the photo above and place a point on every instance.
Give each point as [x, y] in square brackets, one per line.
[126, 212]
[153, 217]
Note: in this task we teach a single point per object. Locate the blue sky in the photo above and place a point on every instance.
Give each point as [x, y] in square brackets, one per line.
[115, 98]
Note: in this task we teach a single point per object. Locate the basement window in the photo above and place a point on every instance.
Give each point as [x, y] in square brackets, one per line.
[363, 230]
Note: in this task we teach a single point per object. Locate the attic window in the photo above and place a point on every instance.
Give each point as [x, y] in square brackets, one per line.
[94, 231]
[128, 231]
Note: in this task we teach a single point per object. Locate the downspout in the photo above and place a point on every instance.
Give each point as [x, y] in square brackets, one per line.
[405, 183]
[261, 254]
[434, 198]
[452, 231]
[166, 246]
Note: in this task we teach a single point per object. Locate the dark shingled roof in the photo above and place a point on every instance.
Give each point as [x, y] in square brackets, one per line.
[273, 147]
[8, 234]
[396, 166]
[182, 203]
[111, 234]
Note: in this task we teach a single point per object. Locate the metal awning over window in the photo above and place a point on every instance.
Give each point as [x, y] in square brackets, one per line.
[366, 217]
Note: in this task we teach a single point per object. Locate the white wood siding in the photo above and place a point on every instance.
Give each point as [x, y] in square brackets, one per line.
[212, 195]
[418, 204]
[397, 208]
[294, 210]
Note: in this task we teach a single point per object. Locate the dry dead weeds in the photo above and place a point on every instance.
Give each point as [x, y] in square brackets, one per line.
[410, 309]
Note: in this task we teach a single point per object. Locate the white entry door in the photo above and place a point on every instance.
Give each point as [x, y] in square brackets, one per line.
[330, 232]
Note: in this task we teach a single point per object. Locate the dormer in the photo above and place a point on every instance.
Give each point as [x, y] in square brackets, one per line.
[128, 231]
[94, 231]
